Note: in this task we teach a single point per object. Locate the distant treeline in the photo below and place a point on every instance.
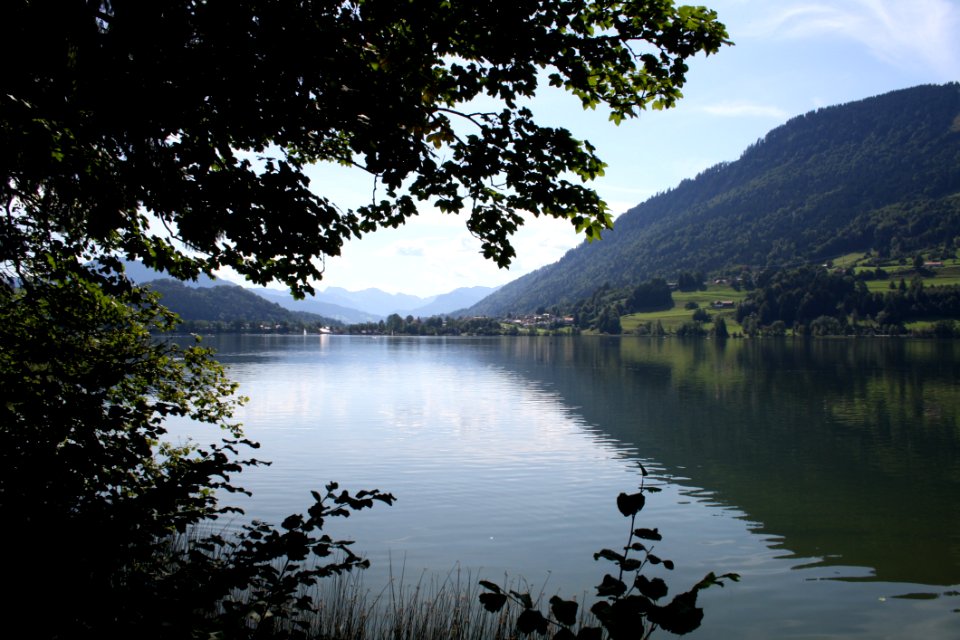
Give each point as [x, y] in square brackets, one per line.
[432, 326]
[814, 301]
[252, 326]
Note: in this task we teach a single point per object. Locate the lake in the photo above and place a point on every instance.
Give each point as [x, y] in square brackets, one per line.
[826, 473]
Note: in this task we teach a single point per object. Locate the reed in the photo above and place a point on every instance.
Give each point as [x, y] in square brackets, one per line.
[432, 606]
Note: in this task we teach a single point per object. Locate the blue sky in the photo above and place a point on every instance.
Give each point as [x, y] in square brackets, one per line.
[790, 57]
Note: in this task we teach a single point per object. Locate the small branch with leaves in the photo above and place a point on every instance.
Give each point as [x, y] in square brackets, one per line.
[623, 611]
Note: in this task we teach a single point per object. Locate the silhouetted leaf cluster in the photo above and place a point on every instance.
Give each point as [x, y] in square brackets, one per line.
[235, 103]
[182, 134]
[630, 604]
[105, 507]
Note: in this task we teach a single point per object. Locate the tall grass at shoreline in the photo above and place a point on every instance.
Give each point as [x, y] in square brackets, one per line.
[432, 607]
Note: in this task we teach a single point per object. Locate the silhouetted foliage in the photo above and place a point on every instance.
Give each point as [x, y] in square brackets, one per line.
[630, 602]
[97, 489]
[235, 102]
[181, 134]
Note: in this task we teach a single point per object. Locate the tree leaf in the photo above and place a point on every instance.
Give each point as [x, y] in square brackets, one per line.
[681, 616]
[565, 611]
[611, 587]
[490, 586]
[630, 504]
[564, 634]
[653, 589]
[531, 620]
[590, 633]
[608, 554]
[493, 602]
[648, 534]
[524, 599]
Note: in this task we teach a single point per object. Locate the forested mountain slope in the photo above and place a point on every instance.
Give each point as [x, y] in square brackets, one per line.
[880, 174]
[226, 303]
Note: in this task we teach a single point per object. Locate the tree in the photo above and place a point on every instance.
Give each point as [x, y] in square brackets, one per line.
[200, 120]
[181, 134]
[701, 315]
[609, 321]
[394, 323]
[687, 281]
[93, 497]
[650, 296]
[720, 328]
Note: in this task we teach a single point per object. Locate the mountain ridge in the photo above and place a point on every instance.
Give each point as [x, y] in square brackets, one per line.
[882, 173]
[227, 304]
[337, 303]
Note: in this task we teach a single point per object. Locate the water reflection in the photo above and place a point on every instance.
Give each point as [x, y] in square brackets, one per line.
[845, 451]
[824, 472]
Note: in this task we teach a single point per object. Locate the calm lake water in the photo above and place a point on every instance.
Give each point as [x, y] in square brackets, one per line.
[826, 473]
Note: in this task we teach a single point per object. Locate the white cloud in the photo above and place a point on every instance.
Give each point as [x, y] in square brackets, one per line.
[909, 35]
[730, 109]
[410, 252]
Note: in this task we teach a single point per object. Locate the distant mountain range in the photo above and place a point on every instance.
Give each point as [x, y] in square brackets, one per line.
[317, 305]
[349, 307]
[881, 174]
[374, 304]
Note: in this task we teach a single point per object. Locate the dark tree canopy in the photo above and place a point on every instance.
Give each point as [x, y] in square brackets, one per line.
[179, 133]
[119, 118]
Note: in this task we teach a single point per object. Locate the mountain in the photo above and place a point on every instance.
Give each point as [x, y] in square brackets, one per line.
[373, 304]
[225, 303]
[317, 305]
[880, 174]
[141, 274]
[374, 301]
[452, 302]
[336, 303]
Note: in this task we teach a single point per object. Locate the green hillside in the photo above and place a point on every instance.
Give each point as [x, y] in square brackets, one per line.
[230, 308]
[881, 174]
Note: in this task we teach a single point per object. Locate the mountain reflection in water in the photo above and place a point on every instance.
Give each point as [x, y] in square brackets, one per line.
[846, 451]
[825, 472]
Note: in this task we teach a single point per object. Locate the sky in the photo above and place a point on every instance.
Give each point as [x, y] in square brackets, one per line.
[789, 57]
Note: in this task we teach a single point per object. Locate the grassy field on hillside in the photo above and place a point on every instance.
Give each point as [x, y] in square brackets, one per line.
[949, 274]
[673, 318]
